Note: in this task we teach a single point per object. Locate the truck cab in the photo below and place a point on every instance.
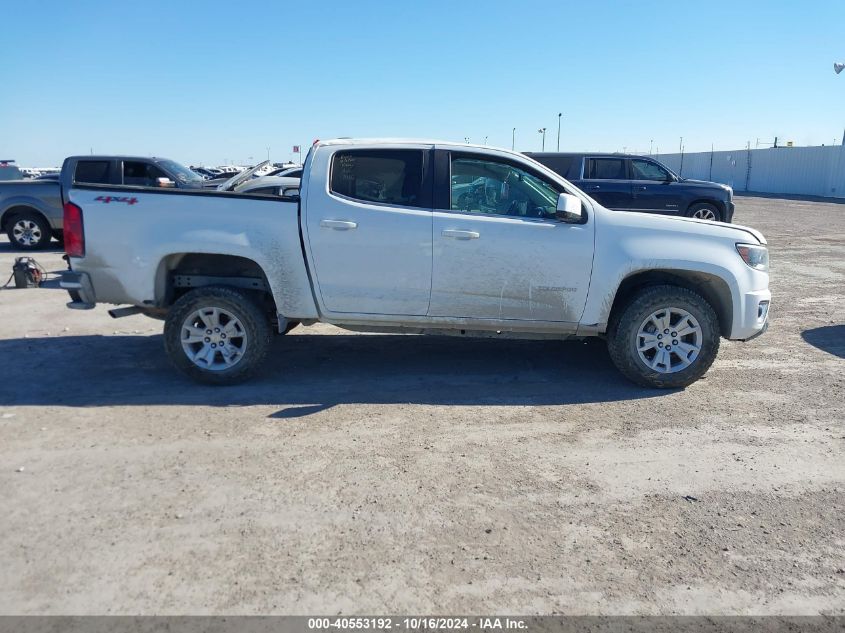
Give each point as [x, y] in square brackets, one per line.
[129, 171]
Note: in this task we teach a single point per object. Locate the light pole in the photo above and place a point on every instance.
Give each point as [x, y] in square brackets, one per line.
[838, 67]
[542, 131]
[513, 138]
[559, 114]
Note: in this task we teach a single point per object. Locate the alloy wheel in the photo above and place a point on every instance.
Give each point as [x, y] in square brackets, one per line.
[27, 232]
[214, 339]
[669, 340]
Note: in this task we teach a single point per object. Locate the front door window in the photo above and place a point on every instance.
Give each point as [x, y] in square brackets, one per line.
[646, 170]
[489, 187]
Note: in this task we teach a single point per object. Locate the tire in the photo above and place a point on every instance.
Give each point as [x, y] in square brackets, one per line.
[29, 231]
[239, 356]
[636, 327]
[704, 211]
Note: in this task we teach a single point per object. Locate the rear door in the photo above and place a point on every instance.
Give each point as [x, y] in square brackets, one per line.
[606, 179]
[368, 220]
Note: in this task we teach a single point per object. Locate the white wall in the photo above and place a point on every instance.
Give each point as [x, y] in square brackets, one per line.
[817, 171]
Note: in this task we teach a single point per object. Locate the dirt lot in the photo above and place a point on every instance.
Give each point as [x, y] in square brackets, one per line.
[376, 474]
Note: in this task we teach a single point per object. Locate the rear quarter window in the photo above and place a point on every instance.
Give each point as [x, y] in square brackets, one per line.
[94, 172]
[559, 164]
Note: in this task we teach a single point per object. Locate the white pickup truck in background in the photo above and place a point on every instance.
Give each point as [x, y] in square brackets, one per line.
[415, 237]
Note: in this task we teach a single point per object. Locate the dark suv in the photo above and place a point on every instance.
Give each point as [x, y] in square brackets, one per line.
[640, 183]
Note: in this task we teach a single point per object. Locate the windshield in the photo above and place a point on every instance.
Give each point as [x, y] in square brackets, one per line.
[182, 173]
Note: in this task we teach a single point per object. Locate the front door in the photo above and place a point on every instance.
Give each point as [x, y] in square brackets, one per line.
[654, 188]
[499, 251]
[369, 231]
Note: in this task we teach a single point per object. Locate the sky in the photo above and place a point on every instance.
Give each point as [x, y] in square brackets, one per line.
[220, 82]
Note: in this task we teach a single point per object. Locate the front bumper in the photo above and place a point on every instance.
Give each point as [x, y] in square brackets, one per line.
[754, 317]
[729, 211]
[80, 290]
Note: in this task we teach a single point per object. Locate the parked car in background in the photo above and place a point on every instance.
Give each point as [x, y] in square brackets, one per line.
[8, 171]
[270, 185]
[290, 172]
[31, 210]
[378, 242]
[205, 173]
[640, 183]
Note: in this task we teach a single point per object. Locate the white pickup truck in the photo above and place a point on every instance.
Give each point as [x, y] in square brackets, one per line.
[420, 238]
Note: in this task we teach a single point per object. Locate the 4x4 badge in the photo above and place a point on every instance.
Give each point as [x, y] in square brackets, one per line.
[108, 199]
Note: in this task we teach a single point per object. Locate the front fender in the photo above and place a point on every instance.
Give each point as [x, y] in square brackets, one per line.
[628, 246]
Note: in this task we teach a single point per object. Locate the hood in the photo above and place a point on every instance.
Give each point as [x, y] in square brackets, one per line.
[237, 179]
[686, 225]
[706, 183]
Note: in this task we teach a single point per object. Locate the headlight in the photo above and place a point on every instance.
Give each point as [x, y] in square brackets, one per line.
[754, 255]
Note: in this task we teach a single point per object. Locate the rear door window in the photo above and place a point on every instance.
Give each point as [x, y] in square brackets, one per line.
[393, 177]
[559, 164]
[605, 169]
[94, 172]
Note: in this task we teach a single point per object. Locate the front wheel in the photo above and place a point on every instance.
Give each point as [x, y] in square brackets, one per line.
[217, 335]
[704, 211]
[666, 337]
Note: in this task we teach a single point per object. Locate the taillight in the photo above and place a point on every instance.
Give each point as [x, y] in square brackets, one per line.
[72, 232]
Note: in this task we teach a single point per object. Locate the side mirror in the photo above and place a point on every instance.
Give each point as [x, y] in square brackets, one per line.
[164, 182]
[569, 208]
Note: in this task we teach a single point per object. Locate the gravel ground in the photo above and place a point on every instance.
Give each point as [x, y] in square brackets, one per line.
[385, 474]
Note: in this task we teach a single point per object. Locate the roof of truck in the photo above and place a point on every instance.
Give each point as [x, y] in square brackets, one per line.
[114, 157]
[590, 154]
[413, 141]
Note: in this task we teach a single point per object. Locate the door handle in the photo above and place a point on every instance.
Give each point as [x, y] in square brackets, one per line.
[461, 235]
[339, 225]
[642, 188]
[594, 187]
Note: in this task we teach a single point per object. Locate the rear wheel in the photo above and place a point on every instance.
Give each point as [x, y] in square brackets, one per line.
[217, 335]
[704, 211]
[665, 337]
[29, 231]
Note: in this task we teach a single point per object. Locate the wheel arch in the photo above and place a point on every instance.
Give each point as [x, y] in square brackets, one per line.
[17, 208]
[217, 268]
[712, 288]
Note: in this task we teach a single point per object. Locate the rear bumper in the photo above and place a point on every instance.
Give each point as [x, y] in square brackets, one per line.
[754, 318]
[79, 288]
